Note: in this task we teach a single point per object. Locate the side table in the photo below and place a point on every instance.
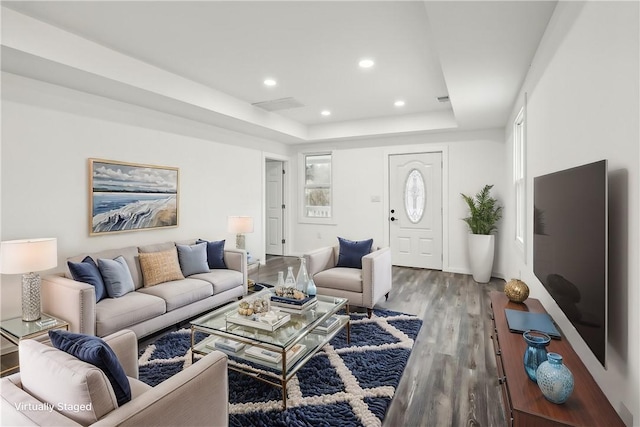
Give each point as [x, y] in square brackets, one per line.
[253, 270]
[16, 329]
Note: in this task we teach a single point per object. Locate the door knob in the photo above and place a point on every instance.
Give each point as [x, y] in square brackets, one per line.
[393, 219]
[393, 211]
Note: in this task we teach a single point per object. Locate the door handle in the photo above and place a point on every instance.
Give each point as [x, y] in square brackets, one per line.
[392, 219]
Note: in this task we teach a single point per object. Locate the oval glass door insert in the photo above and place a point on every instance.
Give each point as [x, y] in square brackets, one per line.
[414, 196]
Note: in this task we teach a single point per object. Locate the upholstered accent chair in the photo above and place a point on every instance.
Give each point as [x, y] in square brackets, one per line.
[56, 389]
[363, 287]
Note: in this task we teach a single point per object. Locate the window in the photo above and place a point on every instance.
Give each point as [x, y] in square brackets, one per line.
[317, 185]
[414, 196]
[519, 177]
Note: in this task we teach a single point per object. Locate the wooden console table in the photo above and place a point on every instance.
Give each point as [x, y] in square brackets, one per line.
[524, 403]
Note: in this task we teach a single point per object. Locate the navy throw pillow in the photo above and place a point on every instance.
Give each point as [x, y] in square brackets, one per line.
[351, 252]
[95, 351]
[88, 272]
[215, 253]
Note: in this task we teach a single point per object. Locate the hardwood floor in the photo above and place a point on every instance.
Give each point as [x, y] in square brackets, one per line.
[451, 376]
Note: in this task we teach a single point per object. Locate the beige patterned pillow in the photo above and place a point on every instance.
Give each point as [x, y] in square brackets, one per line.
[160, 267]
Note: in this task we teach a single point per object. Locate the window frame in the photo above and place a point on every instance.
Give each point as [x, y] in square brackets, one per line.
[303, 212]
[519, 179]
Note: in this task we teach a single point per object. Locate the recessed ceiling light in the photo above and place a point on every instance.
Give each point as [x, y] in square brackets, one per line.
[399, 103]
[366, 63]
[325, 112]
[270, 82]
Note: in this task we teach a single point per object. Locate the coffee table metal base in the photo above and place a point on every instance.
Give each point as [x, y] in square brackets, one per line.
[276, 374]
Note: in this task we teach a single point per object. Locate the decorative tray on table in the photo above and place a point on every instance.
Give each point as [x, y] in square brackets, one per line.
[269, 321]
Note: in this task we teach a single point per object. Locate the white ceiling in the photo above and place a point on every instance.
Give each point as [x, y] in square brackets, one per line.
[476, 52]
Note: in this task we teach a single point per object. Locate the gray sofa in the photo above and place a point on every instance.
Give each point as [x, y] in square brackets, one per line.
[147, 309]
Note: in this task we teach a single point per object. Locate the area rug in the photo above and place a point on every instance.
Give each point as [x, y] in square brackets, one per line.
[342, 385]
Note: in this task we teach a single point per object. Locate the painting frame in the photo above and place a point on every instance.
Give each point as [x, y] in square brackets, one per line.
[126, 197]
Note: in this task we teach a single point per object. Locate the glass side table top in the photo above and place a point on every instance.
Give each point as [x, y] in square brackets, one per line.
[282, 337]
[16, 329]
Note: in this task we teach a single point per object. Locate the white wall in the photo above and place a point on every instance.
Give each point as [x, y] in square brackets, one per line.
[49, 132]
[583, 106]
[359, 170]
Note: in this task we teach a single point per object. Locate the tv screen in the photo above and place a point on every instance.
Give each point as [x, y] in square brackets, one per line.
[570, 247]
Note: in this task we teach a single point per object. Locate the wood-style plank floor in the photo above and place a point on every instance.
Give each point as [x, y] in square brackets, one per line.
[451, 376]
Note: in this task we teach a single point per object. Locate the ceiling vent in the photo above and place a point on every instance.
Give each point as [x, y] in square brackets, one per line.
[279, 104]
[443, 98]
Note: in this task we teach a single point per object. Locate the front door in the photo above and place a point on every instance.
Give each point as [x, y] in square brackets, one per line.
[415, 209]
[274, 214]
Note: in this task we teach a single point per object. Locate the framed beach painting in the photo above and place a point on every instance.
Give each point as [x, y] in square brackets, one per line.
[131, 197]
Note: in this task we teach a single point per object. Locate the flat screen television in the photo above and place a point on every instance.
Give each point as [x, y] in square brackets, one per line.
[570, 247]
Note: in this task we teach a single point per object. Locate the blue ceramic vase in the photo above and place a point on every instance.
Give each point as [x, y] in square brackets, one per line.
[535, 353]
[555, 379]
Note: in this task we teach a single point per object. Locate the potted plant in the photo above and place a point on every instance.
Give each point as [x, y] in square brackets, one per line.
[484, 212]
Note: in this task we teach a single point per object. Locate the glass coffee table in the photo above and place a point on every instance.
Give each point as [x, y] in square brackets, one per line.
[273, 356]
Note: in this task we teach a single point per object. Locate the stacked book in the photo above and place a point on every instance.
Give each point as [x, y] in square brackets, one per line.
[327, 325]
[274, 356]
[225, 344]
[292, 305]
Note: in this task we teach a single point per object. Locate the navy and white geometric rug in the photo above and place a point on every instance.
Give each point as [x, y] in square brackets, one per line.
[342, 385]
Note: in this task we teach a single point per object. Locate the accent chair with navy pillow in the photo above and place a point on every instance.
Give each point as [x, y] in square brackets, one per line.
[97, 352]
[351, 252]
[55, 388]
[351, 270]
[87, 271]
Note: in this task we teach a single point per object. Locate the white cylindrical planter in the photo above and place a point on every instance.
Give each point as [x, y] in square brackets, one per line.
[481, 252]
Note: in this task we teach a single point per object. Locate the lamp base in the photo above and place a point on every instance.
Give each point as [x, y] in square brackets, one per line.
[240, 241]
[30, 297]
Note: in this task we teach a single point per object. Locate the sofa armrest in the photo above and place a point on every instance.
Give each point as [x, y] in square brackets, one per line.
[236, 259]
[195, 396]
[376, 275]
[320, 259]
[124, 344]
[72, 301]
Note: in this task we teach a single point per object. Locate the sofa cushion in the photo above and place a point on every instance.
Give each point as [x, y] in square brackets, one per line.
[351, 252]
[116, 275]
[87, 394]
[87, 271]
[113, 315]
[215, 254]
[160, 267]
[222, 280]
[343, 278]
[94, 350]
[180, 293]
[193, 258]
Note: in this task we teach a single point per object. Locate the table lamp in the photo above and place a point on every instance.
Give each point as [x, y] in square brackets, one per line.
[27, 257]
[240, 225]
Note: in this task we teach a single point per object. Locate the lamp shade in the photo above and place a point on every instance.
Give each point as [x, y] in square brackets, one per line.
[240, 224]
[26, 256]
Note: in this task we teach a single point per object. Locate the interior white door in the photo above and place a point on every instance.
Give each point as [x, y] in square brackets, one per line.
[415, 205]
[275, 203]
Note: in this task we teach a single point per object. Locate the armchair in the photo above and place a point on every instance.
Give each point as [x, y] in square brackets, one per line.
[362, 287]
[83, 396]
